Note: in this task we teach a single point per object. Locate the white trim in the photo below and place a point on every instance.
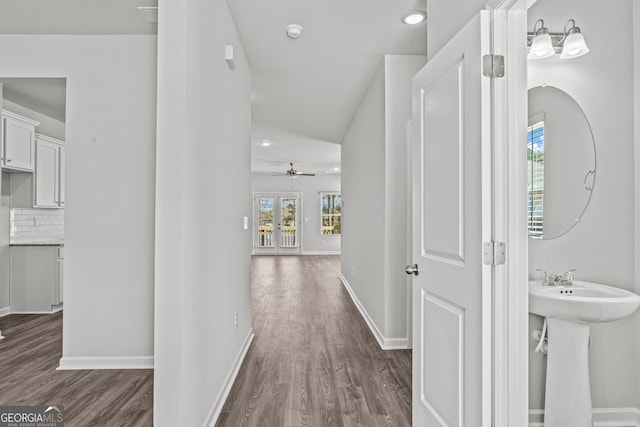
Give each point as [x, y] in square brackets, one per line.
[82, 363]
[636, 166]
[321, 252]
[384, 343]
[215, 410]
[5, 311]
[602, 417]
[511, 349]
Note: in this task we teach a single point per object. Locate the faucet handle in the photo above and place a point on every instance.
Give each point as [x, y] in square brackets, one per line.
[568, 275]
[549, 278]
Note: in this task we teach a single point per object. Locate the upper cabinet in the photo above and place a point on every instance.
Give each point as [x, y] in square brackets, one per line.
[18, 142]
[49, 172]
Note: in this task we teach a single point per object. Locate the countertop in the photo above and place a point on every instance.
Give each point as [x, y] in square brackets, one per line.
[39, 243]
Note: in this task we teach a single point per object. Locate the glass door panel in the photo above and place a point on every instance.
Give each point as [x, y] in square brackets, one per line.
[288, 222]
[265, 222]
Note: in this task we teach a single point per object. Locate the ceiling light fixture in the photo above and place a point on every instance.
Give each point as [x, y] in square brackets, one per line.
[543, 44]
[414, 17]
[265, 143]
[294, 31]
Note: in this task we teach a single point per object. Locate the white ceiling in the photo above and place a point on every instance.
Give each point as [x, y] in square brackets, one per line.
[305, 91]
[74, 17]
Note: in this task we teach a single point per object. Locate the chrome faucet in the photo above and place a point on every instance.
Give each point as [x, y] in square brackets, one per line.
[550, 279]
[565, 279]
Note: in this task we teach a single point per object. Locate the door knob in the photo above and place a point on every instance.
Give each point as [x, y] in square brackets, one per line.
[412, 269]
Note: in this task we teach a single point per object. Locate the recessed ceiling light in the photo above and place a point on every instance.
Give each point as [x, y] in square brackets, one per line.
[265, 143]
[336, 169]
[294, 31]
[414, 17]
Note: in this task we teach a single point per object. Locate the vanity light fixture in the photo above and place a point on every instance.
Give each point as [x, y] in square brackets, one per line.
[543, 44]
[574, 44]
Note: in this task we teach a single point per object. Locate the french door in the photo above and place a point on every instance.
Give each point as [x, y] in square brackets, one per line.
[277, 228]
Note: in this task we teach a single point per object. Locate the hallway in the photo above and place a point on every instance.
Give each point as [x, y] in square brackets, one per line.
[313, 361]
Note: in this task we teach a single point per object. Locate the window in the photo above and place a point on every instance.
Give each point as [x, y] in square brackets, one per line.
[535, 178]
[331, 211]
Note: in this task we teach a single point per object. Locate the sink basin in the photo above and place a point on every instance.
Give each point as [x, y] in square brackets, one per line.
[582, 302]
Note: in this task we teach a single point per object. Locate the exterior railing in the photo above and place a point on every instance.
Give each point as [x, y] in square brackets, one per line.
[288, 236]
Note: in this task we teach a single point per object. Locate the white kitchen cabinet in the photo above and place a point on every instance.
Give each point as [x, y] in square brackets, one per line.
[49, 173]
[45, 187]
[18, 142]
[37, 278]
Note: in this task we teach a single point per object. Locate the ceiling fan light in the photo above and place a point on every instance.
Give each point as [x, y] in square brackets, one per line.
[541, 46]
[574, 46]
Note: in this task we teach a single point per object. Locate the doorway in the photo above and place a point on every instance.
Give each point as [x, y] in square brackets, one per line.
[277, 229]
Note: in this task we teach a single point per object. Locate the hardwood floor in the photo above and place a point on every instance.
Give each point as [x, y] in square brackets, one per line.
[314, 361]
[29, 356]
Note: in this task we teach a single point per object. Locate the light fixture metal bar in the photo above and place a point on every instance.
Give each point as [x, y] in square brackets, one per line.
[556, 40]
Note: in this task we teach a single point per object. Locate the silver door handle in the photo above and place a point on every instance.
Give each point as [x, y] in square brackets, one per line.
[412, 269]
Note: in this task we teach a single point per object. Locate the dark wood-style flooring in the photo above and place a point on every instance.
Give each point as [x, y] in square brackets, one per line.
[29, 356]
[313, 361]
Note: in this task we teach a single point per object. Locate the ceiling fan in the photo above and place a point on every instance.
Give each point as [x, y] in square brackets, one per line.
[292, 173]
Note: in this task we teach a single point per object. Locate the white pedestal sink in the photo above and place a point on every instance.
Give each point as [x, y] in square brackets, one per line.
[569, 311]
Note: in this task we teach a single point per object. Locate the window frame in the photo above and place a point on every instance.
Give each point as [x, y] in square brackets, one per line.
[323, 194]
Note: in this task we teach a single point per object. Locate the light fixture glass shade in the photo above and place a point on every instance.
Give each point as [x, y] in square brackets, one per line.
[574, 46]
[541, 47]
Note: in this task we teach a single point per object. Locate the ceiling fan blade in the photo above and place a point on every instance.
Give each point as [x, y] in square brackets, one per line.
[279, 174]
[305, 174]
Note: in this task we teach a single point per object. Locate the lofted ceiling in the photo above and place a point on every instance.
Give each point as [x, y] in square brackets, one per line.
[305, 92]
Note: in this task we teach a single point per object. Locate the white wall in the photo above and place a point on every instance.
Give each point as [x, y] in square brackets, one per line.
[109, 189]
[363, 195]
[602, 245]
[203, 193]
[374, 187]
[313, 242]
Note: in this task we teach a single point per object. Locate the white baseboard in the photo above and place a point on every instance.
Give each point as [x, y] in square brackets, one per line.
[5, 311]
[321, 252]
[215, 410]
[383, 342]
[602, 417]
[82, 363]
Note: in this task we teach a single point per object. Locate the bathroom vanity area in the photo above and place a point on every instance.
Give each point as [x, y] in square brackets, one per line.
[583, 345]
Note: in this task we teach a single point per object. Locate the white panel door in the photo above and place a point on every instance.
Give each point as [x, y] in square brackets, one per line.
[451, 218]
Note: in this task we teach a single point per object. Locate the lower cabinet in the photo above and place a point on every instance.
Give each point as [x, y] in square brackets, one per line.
[37, 274]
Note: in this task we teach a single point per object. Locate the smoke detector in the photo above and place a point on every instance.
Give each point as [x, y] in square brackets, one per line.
[294, 31]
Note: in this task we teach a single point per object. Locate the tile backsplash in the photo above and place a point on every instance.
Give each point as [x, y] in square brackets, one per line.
[35, 225]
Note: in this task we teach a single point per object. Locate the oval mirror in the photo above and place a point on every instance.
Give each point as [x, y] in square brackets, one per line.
[561, 157]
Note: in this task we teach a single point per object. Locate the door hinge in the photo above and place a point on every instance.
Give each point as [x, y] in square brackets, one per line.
[494, 253]
[493, 66]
